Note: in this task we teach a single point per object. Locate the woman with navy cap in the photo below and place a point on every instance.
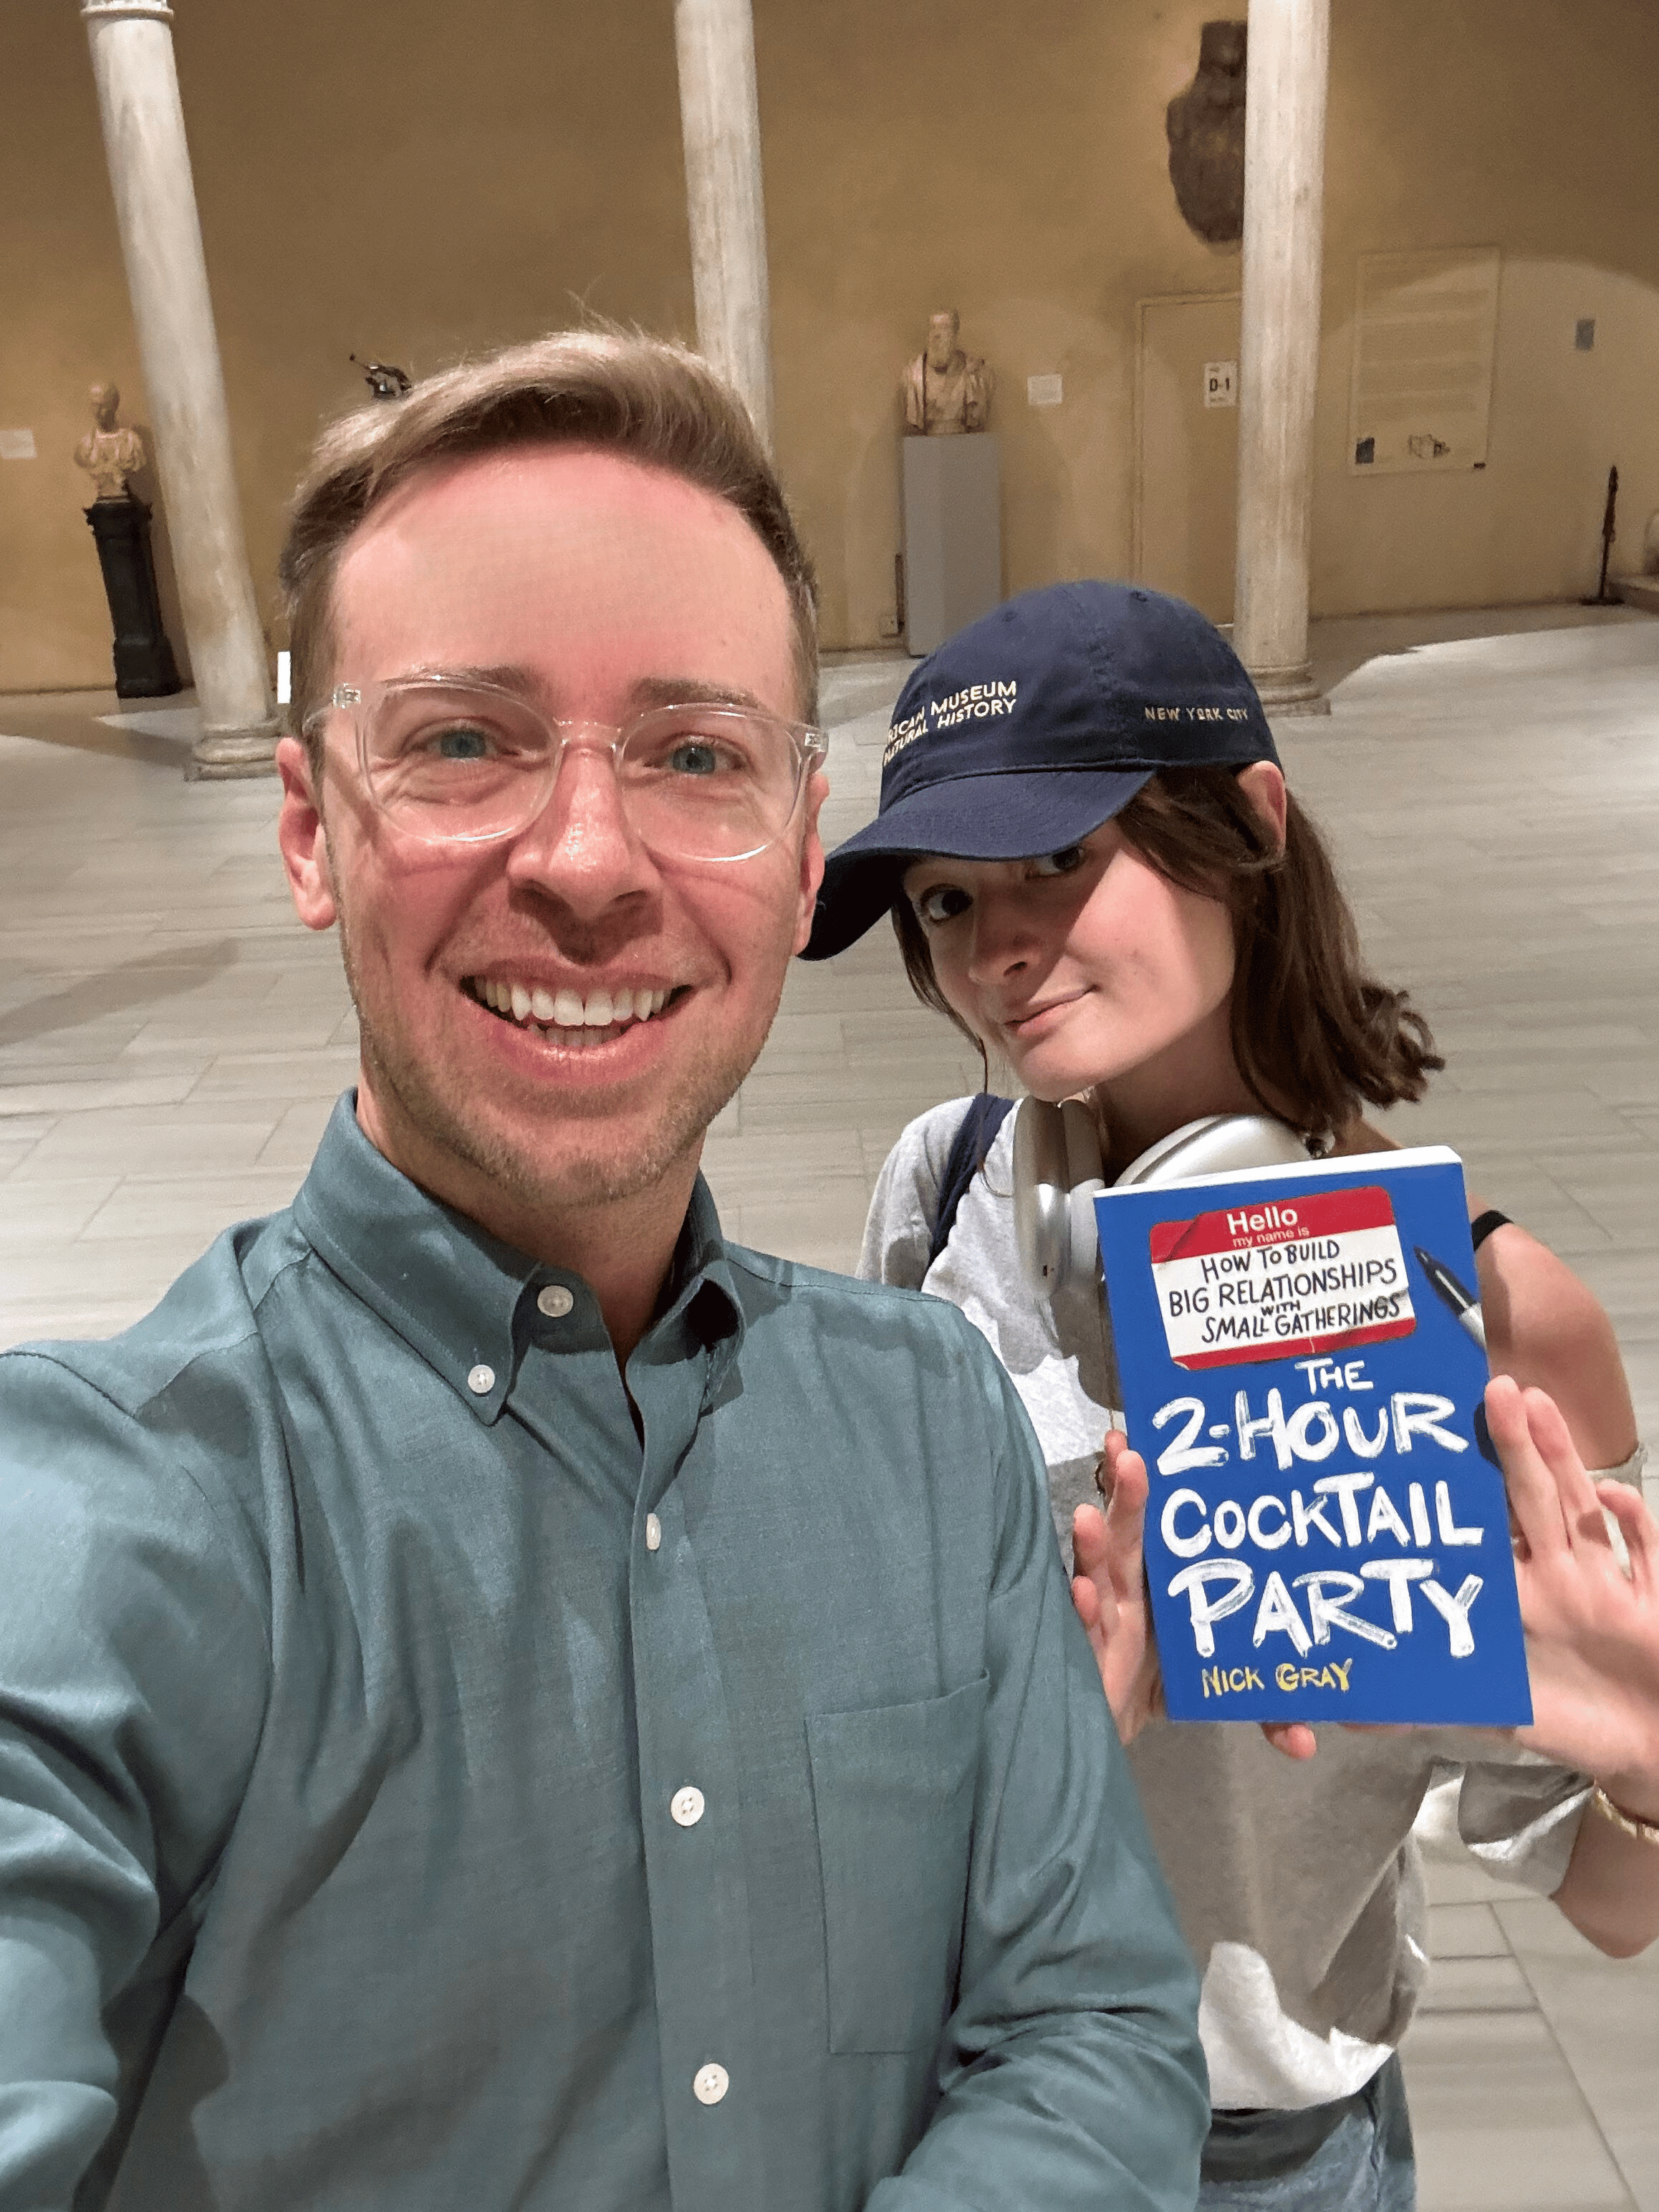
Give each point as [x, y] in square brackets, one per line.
[1093, 866]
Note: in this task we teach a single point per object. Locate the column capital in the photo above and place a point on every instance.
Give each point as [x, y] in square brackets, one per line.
[104, 11]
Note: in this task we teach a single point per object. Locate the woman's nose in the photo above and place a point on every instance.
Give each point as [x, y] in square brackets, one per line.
[1001, 942]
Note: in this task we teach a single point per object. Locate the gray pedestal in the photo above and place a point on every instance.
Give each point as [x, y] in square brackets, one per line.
[952, 535]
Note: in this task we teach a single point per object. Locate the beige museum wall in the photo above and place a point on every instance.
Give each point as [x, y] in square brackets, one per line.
[416, 179]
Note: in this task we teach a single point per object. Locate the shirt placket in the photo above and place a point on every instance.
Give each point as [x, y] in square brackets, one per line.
[699, 1903]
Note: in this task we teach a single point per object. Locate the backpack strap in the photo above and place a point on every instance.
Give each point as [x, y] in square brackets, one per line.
[977, 1133]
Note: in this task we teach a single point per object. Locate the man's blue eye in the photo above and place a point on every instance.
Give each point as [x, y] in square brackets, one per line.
[462, 744]
[695, 758]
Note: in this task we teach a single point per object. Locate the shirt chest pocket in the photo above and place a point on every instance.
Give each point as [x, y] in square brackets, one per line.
[893, 1789]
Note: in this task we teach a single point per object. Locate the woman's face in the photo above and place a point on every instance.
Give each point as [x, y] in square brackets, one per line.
[1085, 968]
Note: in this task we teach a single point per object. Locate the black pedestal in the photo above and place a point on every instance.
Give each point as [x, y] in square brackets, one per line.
[144, 665]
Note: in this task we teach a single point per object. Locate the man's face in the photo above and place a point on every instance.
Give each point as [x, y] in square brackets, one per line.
[104, 400]
[600, 586]
[941, 342]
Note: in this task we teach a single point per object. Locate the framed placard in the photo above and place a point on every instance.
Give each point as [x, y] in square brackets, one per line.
[1425, 329]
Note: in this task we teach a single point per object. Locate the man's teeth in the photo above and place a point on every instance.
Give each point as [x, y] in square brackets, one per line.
[569, 1009]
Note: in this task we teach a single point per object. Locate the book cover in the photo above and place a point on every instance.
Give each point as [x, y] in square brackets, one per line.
[1302, 1367]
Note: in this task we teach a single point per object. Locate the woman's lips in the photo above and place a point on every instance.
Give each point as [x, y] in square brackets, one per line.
[1026, 1026]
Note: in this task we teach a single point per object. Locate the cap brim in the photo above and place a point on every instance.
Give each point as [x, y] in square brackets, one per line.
[1010, 816]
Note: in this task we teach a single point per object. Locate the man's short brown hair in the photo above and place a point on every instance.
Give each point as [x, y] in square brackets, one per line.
[649, 401]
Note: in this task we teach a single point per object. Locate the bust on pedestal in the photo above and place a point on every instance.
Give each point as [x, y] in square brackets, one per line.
[952, 489]
[144, 666]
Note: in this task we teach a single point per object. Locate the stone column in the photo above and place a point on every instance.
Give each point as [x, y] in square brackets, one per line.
[131, 43]
[719, 122]
[1278, 344]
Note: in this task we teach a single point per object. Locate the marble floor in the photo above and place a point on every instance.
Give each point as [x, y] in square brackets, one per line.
[171, 1042]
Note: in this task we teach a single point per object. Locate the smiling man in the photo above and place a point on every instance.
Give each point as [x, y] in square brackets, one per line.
[507, 1700]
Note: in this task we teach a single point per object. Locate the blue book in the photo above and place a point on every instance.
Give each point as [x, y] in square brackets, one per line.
[1303, 1361]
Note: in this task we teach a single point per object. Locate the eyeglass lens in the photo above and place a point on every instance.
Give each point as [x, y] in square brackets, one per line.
[698, 782]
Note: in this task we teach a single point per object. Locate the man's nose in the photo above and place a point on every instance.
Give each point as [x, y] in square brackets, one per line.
[581, 848]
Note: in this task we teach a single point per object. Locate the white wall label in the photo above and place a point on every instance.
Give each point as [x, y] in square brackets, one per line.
[16, 446]
[285, 679]
[1044, 391]
[1221, 383]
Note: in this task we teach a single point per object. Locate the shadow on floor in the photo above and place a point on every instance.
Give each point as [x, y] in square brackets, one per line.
[86, 721]
[113, 990]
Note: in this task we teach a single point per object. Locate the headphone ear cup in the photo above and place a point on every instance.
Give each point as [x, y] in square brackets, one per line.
[1042, 1223]
[1085, 1179]
[1057, 1177]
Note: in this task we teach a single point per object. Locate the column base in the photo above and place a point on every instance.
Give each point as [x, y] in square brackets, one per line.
[1289, 690]
[219, 755]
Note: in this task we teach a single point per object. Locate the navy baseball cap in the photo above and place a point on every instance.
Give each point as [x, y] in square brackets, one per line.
[1032, 727]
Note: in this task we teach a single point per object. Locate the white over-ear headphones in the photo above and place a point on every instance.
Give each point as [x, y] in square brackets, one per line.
[1057, 1175]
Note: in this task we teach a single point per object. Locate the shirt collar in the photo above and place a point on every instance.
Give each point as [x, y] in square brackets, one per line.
[454, 1293]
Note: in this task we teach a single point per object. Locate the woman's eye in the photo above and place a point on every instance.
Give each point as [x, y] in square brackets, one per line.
[1062, 863]
[942, 903]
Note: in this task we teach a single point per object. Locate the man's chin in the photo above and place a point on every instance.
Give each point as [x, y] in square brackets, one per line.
[497, 1158]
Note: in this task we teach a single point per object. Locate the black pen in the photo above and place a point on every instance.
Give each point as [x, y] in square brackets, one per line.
[1463, 1302]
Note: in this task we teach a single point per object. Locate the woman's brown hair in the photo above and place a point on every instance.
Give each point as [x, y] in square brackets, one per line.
[1313, 1032]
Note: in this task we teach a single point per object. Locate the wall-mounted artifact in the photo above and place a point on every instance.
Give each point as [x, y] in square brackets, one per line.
[1205, 127]
[119, 521]
[384, 381]
[945, 391]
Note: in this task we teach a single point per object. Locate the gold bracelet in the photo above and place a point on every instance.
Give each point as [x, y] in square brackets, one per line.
[1645, 1831]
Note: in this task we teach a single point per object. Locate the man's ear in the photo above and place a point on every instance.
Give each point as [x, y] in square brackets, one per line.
[303, 840]
[1263, 784]
[811, 860]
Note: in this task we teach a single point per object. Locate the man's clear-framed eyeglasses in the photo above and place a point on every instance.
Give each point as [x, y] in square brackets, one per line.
[457, 762]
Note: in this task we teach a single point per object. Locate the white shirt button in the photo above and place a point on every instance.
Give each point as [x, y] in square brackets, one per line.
[652, 1533]
[555, 1301]
[686, 1805]
[480, 1379]
[709, 2084]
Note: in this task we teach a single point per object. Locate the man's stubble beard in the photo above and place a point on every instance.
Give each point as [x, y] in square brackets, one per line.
[596, 1176]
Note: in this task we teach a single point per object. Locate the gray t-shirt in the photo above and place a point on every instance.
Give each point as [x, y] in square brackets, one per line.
[1298, 1885]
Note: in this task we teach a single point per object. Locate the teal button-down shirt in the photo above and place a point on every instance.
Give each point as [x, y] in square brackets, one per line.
[429, 1780]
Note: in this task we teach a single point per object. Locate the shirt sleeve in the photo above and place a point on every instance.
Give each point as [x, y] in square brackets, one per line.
[1522, 1820]
[133, 1665]
[899, 1227]
[1071, 2071]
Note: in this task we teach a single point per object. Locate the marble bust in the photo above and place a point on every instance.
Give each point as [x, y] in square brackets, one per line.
[945, 391]
[109, 455]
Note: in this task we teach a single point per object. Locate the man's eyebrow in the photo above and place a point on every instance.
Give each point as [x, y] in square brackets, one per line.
[649, 691]
[689, 691]
[509, 676]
